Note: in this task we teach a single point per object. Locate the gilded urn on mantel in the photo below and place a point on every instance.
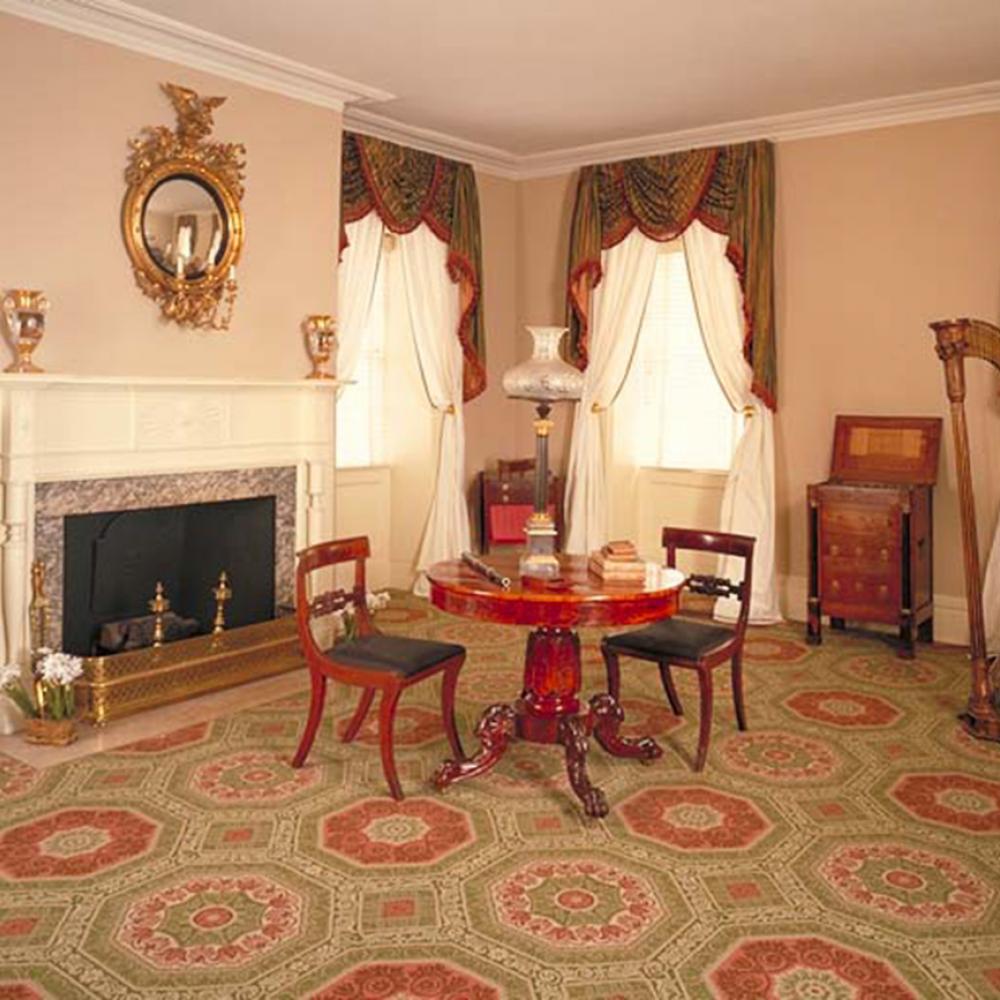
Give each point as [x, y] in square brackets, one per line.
[25, 309]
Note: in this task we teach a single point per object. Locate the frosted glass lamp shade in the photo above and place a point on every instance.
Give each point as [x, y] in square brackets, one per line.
[544, 377]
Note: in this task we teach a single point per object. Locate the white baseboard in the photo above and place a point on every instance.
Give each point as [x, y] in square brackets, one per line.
[950, 622]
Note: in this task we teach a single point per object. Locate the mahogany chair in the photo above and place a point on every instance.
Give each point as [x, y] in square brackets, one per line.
[684, 642]
[369, 660]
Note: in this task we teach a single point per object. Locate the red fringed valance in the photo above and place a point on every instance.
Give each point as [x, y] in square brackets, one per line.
[729, 188]
[407, 187]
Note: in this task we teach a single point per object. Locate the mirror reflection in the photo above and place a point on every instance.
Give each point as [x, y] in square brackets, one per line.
[183, 227]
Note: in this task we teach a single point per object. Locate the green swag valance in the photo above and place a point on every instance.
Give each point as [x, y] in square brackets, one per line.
[729, 188]
[406, 187]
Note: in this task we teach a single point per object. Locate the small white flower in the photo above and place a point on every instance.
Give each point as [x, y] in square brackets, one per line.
[60, 668]
[376, 602]
[10, 674]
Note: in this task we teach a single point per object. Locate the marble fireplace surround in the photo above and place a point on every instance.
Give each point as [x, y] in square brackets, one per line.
[55, 501]
[66, 441]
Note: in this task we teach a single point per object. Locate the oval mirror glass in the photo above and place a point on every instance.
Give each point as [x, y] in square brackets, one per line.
[184, 227]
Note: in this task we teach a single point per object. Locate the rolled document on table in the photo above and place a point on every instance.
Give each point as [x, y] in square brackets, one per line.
[484, 570]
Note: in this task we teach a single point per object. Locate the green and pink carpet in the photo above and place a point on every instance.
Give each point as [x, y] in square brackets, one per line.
[847, 846]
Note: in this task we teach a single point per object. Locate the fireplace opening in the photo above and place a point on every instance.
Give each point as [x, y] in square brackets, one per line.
[113, 561]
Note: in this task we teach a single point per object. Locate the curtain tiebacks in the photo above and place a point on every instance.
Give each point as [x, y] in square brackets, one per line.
[748, 411]
[597, 408]
[449, 410]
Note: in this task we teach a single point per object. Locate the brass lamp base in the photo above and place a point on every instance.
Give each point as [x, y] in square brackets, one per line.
[539, 559]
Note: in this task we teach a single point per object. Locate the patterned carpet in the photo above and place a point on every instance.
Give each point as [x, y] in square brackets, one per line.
[848, 846]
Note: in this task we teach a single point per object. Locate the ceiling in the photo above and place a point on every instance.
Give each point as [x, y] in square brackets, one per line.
[529, 85]
[530, 76]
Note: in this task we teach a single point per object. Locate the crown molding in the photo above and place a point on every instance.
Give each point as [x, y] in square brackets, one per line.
[134, 28]
[953, 102]
[489, 159]
[152, 34]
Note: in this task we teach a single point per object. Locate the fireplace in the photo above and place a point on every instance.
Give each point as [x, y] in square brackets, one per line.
[114, 559]
[79, 445]
[105, 543]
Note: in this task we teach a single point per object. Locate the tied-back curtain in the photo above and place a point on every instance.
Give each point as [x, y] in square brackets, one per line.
[406, 188]
[356, 278]
[748, 498]
[619, 303]
[729, 188]
[433, 306]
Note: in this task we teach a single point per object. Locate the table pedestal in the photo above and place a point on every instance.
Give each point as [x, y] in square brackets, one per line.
[548, 711]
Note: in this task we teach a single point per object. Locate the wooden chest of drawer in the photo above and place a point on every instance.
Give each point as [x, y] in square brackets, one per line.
[870, 544]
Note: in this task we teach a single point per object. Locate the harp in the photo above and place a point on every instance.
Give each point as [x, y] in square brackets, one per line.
[957, 340]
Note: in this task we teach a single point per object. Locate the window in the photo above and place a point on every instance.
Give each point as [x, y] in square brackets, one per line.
[359, 406]
[684, 418]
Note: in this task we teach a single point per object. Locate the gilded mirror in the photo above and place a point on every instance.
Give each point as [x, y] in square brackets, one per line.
[181, 218]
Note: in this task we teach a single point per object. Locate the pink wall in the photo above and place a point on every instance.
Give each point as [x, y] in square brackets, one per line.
[77, 104]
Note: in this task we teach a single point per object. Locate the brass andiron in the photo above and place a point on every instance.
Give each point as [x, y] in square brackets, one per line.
[321, 343]
[159, 605]
[25, 311]
[222, 593]
[38, 609]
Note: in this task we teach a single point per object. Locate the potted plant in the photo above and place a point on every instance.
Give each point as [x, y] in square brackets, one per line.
[345, 619]
[49, 712]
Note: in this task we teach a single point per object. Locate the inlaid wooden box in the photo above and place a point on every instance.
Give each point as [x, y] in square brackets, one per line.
[870, 528]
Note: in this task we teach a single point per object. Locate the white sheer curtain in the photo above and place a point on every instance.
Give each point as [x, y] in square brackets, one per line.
[356, 276]
[619, 301]
[748, 500]
[433, 306]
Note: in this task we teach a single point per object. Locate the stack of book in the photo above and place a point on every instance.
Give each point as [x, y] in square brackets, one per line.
[617, 562]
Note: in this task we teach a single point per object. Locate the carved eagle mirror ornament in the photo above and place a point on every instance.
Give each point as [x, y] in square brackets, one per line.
[181, 218]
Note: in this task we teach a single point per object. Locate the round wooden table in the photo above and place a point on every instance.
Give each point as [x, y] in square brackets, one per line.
[548, 710]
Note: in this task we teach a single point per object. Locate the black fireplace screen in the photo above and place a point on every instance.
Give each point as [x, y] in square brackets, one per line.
[113, 561]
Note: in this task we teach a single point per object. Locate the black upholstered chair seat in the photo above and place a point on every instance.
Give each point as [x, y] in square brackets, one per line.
[369, 660]
[694, 645]
[672, 638]
[393, 654]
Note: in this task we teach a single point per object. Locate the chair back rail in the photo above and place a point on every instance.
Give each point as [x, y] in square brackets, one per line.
[308, 608]
[722, 543]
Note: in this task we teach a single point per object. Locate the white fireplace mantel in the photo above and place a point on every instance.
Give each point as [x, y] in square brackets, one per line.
[67, 427]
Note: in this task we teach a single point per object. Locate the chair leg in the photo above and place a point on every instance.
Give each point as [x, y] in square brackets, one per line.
[737, 670]
[667, 680]
[613, 671]
[386, 720]
[705, 727]
[316, 704]
[357, 720]
[448, 684]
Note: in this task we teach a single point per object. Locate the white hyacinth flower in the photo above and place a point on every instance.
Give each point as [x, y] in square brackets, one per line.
[376, 602]
[60, 668]
[10, 674]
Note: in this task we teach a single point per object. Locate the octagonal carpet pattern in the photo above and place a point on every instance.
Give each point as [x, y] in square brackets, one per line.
[846, 846]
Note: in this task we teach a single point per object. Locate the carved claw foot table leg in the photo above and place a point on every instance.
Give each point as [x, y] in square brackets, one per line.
[573, 735]
[606, 717]
[494, 730]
